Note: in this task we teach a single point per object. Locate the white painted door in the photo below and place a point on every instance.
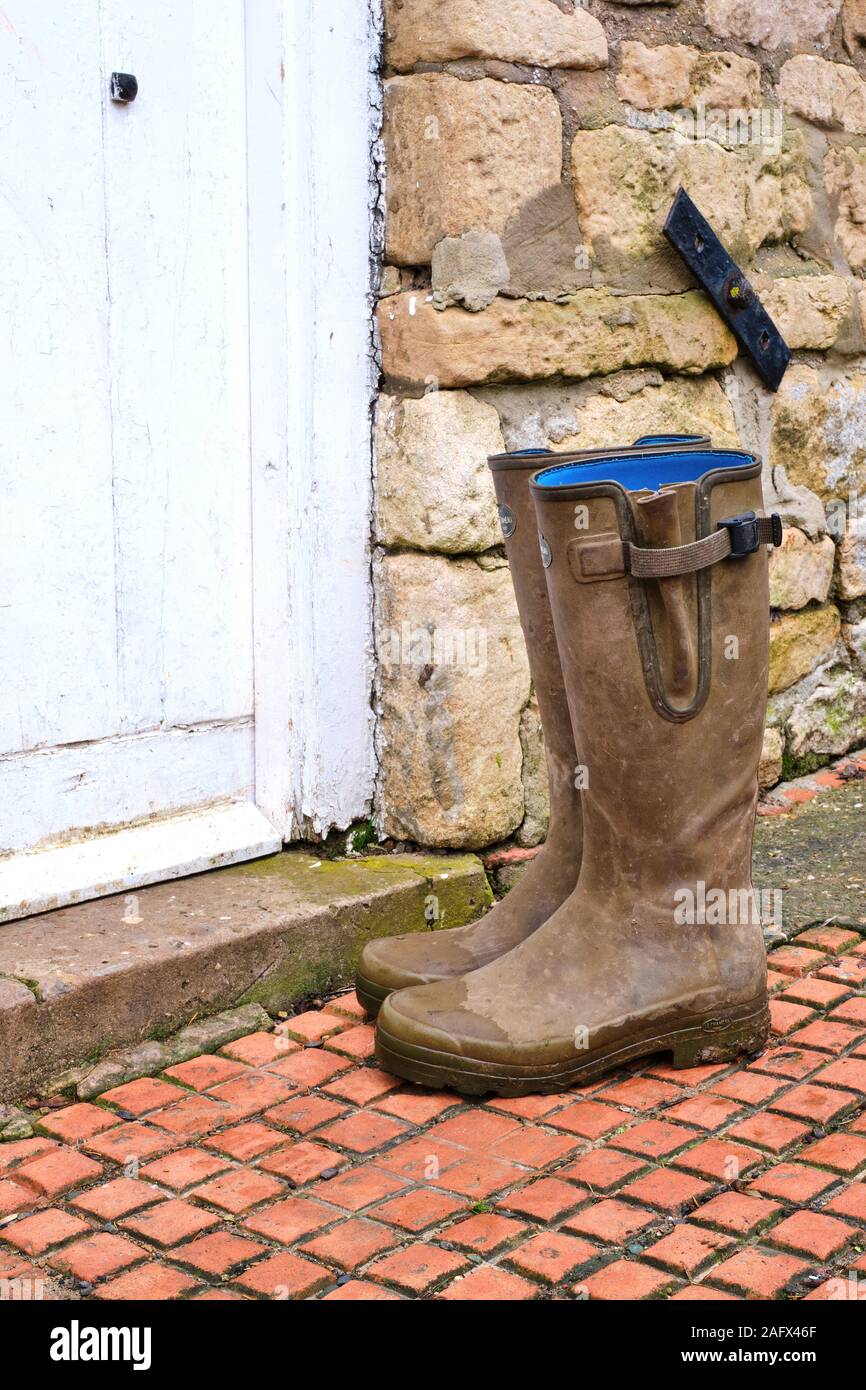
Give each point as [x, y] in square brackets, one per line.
[127, 730]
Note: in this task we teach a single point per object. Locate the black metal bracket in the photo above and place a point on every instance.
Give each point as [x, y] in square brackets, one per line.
[720, 277]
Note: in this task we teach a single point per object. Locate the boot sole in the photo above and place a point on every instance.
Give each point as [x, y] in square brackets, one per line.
[370, 995]
[716, 1037]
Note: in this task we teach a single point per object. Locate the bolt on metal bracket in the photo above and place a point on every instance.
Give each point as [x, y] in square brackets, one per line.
[720, 277]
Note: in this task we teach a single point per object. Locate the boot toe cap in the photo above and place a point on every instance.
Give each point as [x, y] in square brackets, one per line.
[390, 963]
[416, 958]
[433, 1016]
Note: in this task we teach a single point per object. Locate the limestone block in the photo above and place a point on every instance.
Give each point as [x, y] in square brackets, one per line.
[454, 680]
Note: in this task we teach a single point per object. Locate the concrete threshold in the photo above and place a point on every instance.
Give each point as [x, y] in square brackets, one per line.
[109, 973]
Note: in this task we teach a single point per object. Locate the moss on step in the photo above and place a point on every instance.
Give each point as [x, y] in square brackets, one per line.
[803, 766]
[363, 898]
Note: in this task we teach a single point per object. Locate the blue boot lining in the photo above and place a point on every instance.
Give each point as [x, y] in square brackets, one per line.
[643, 471]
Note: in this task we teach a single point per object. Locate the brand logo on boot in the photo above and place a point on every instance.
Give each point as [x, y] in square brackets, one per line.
[507, 521]
[546, 556]
[715, 1025]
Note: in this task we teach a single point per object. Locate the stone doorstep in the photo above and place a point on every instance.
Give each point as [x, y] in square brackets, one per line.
[110, 973]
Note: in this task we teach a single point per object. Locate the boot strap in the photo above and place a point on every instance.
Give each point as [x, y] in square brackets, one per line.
[735, 536]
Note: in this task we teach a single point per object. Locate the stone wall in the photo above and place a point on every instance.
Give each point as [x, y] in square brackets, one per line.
[531, 149]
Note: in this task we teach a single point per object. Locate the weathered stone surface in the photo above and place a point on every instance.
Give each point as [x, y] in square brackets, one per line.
[797, 506]
[536, 793]
[127, 1064]
[828, 715]
[389, 282]
[801, 571]
[588, 101]
[463, 156]
[454, 680]
[677, 406]
[808, 310]
[15, 1123]
[434, 490]
[854, 635]
[770, 766]
[852, 563]
[617, 411]
[845, 181]
[830, 94]
[507, 876]
[854, 25]
[799, 642]
[625, 179]
[544, 249]
[669, 75]
[469, 270]
[818, 432]
[769, 23]
[522, 340]
[147, 1058]
[537, 32]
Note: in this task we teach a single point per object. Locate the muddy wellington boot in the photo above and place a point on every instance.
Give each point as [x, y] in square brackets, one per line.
[418, 957]
[657, 574]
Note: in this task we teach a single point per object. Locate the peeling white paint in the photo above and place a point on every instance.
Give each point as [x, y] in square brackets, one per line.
[331, 114]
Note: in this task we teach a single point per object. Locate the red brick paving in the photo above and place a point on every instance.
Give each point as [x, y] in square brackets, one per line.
[485, 1233]
[184, 1168]
[168, 1223]
[288, 1160]
[812, 1233]
[688, 1250]
[757, 1273]
[93, 1257]
[152, 1283]
[488, 1284]
[552, 1256]
[14, 1197]
[351, 1244]
[738, 1213]
[417, 1267]
[55, 1172]
[220, 1253]
[118, 1197]
[137, 1097]
[36, 1234]
[547, 1200]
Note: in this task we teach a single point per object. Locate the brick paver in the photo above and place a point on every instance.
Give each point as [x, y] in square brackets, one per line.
[288, 1165]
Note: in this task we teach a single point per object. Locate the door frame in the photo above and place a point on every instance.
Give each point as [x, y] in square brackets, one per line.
[313, 106]
[312, 99]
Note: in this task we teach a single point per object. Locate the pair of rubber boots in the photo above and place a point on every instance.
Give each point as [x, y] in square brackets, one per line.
[641, 577]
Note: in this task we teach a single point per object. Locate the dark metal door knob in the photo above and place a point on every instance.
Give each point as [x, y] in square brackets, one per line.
[124, 87]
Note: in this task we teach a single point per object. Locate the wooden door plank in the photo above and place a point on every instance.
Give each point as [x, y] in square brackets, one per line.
[57, 613]
[177, 252]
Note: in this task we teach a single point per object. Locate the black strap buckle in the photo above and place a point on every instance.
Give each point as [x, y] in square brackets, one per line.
[743, 531]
